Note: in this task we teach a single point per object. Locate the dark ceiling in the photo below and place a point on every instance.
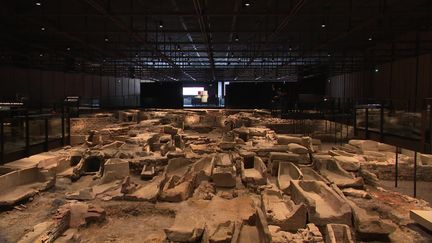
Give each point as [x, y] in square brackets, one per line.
[211, 40]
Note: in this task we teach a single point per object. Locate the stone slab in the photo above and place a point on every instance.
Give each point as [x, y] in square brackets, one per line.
[422, 217]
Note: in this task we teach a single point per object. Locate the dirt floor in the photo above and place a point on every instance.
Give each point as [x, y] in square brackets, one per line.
[122, 216]
[407, 188]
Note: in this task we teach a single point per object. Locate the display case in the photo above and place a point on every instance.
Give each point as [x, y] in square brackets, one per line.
[24, 132]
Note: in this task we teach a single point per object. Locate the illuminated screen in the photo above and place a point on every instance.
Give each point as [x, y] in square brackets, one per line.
[192, 90]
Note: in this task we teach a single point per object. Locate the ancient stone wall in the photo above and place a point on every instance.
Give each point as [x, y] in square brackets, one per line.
[81, 126]
[405, 171]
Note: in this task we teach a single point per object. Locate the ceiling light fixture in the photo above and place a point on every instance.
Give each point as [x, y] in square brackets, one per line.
[41, 55]
[106, 39]
[247, 3]
[161, 24]
[68, 49]
[329, 55]
[236, 38]
[43, 28]
[370, 38]
[290, 48]
[38, 4]
[376, 70]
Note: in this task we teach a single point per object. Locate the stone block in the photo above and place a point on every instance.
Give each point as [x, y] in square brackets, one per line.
[224, 176]
[422, 217]
[115, 169]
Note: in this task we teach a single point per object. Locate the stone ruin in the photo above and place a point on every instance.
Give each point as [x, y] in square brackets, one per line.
[209, 176]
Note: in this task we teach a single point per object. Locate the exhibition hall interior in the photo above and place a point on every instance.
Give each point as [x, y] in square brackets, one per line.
[216, 121]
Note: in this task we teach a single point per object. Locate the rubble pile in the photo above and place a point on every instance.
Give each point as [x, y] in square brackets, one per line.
[224, 176]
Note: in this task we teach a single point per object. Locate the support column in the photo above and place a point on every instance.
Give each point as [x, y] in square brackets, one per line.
[415, 175]
[396, 166]
[367, 123]
[382, 123]
[63, 125]
[2, 142]
[68, 127]
[46, 135]
[27, 134]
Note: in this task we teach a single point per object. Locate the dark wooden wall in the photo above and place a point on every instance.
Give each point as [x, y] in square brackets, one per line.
[48, 87]
[406, 81]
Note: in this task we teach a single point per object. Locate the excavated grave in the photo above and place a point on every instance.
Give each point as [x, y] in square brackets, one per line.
[336, 174]
[323, 204]
[286, 173]
[283, 212]
[338, 233]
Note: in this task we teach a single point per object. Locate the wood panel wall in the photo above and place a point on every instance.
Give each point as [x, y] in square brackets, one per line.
[406, 80]
[49, 87]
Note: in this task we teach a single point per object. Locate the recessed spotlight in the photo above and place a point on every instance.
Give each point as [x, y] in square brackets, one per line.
[329, 55]
[236, 38]
[38, 4]
[161, 24]
[68, 49]
[43, 28]
[323, 25]
[290, 48]
[376, 70]
[247, 3]
[106, 39]
[41, 55]
[370, 38]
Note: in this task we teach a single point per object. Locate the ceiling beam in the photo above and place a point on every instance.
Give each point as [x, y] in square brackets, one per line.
[134, 35]
[205, 34]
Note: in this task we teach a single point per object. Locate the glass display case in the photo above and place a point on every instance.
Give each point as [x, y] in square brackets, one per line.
[388, 120]
[24, 132]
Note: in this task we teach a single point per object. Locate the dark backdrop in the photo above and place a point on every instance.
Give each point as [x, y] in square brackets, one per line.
[162, 95]
[259, 95]
[238, 95]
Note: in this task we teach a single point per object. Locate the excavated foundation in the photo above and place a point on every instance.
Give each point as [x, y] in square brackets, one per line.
[205, 176]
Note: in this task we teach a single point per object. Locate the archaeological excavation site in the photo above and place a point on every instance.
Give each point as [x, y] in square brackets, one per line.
[216, 121]
[207, 176]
